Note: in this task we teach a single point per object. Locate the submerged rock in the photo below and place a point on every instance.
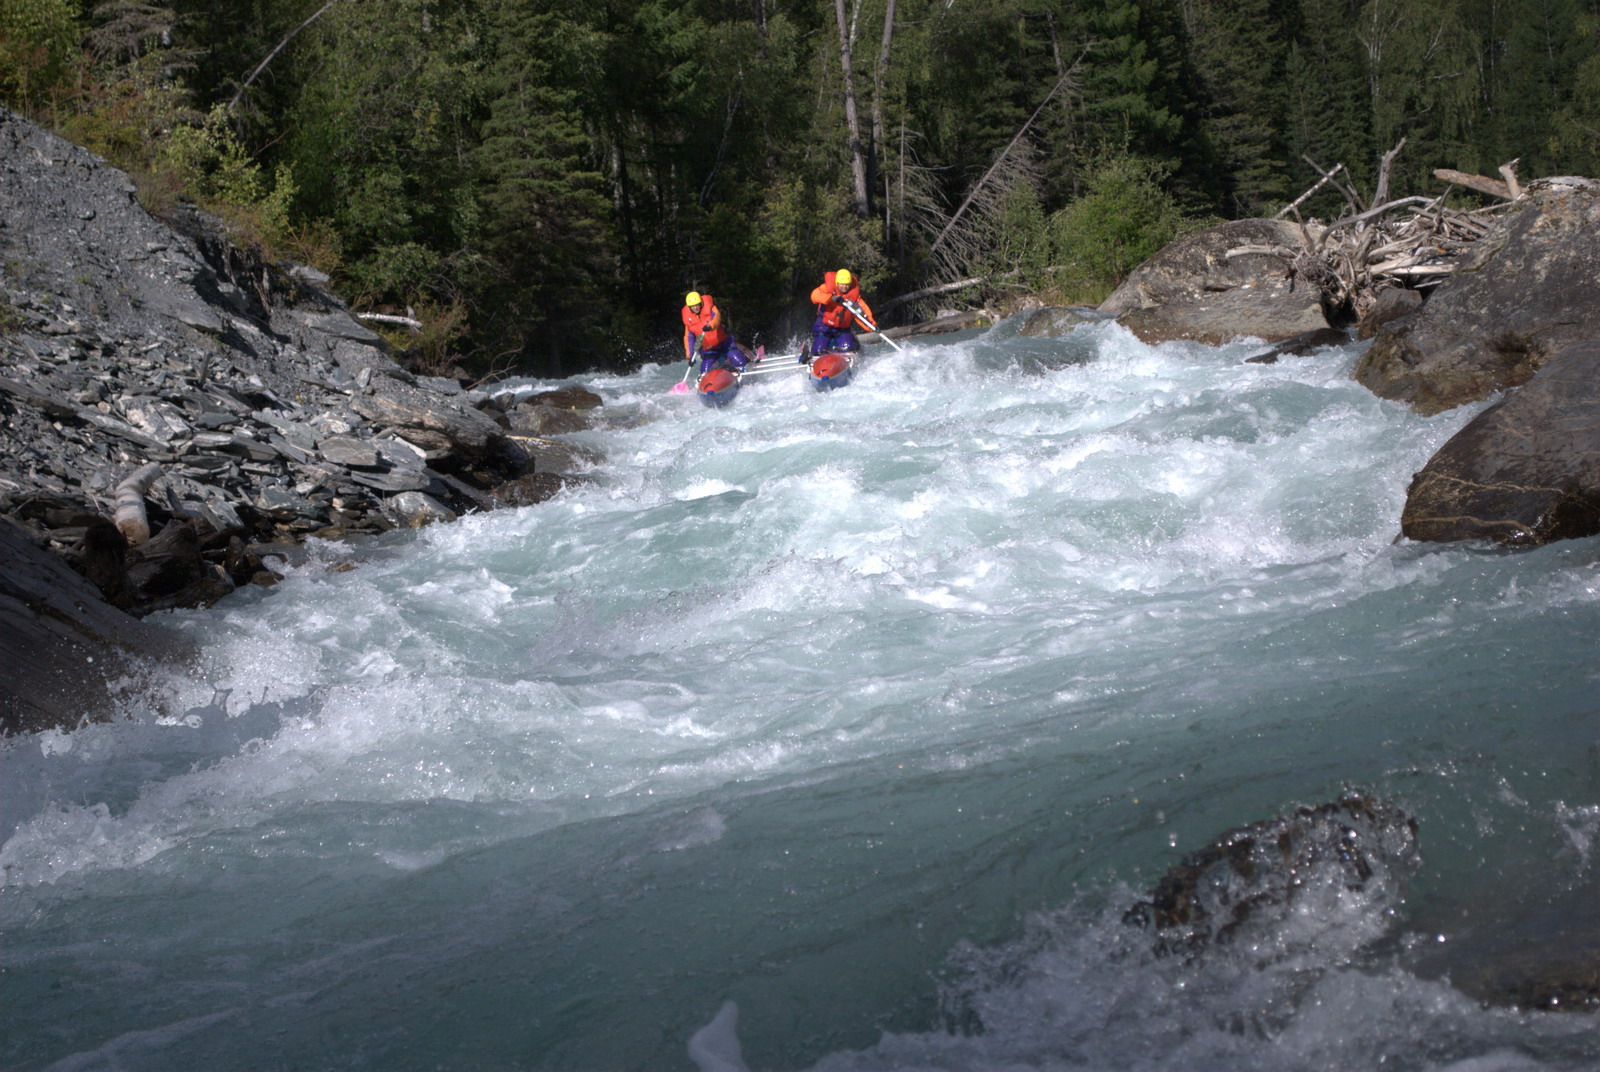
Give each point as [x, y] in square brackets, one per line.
[1300, 345]
[1056, 320]
[1253, 876]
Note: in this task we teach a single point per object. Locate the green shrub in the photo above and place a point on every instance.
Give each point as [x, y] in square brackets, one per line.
[213, 168]
[38, 40]
[1123, 217]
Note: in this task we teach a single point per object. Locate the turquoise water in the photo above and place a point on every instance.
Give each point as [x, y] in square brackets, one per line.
[838, 730]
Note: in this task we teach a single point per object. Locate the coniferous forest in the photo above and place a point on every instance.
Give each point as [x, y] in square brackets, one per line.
[538, 182]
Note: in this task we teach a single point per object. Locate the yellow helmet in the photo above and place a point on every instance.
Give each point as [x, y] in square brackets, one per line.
[843, 277]
[692, 298]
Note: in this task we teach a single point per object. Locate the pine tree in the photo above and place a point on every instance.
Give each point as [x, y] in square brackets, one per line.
[1239, 49]
[1329, 113]
[1422, 77]
[541, 235]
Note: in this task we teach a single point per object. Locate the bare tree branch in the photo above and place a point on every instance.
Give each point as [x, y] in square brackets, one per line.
[234, 103]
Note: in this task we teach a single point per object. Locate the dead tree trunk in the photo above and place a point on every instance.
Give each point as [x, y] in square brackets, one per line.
[858, 159]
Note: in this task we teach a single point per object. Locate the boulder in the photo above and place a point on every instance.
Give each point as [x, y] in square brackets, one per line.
[1526, 471]
[1252, 877]
[1525, 291]
[413, 510]
[1193, 290]
[60, 642]
[542, 420]
[1055, 320]
[435, 422]
[567, 398]
[1391, 304]
[530, 489]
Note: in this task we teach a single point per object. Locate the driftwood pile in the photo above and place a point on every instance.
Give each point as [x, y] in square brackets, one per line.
[1409, 242]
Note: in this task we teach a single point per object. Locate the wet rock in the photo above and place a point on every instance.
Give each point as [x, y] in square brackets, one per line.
[1523, 293]
[1300, 345]
[413, 509]
[1524, 472]
[167, 571]
[567, 398]
[1252, 876]
[62, 645]
[530, 489]
[541, 420]
[1537, 948]
[1055, 320]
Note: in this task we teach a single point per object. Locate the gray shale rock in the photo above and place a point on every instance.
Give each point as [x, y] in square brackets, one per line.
[60, 642]
[272, 412]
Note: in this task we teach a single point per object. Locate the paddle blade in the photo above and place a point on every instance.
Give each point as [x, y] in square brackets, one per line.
[681, 387]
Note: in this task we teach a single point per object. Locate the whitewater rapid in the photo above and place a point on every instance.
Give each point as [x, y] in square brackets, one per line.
[840, 730]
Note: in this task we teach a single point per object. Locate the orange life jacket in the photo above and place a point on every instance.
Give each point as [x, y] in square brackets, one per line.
[834, 314]
[707, 323]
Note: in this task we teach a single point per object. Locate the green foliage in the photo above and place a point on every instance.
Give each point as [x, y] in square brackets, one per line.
[1423, 83]
[398, 269]
[11, 320]
[1575, 138]
[38, 39]
[1239, 48]
[1124, 217]
[125, 112]
[1024, 243]
[206, 162]
[433, 350]
[1327, 112]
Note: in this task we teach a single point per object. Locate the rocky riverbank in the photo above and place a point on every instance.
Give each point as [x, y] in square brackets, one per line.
[178, 411]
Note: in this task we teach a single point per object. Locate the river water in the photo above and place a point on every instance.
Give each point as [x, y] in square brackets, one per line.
[839, 730]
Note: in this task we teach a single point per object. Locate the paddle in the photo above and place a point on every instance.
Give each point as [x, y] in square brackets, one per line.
[694, 349]
[770, 369]
[861, 316]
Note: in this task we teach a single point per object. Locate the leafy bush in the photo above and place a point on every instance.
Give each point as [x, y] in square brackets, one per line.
[1121, 220]
[38, 39]
[213, 168]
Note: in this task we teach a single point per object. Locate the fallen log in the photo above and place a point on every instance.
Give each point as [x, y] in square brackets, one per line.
[1492, 187]
[130, 517]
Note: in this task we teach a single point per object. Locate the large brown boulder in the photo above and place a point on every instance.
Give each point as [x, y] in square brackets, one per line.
[1193, 290]
[1526, 471]
[1524, 292]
